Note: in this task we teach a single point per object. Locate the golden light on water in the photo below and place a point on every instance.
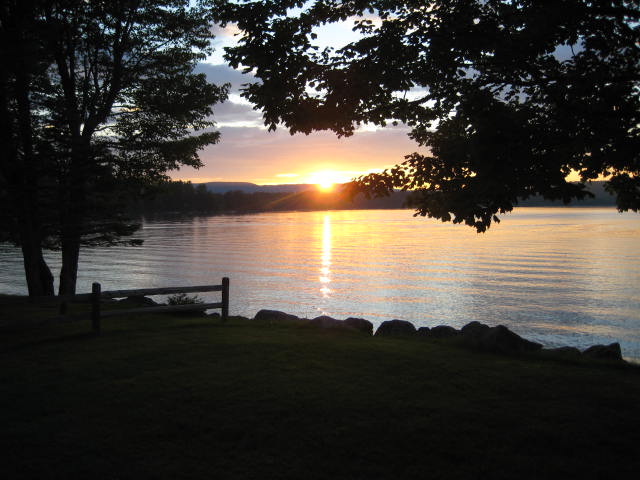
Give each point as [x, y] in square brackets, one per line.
[325, 261]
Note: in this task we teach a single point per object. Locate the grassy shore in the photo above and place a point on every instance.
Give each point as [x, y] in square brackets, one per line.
[179, 397]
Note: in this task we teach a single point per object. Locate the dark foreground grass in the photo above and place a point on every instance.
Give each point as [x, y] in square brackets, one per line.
[176, 397]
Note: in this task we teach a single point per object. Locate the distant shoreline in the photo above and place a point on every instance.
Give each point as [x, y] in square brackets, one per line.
[238, 198]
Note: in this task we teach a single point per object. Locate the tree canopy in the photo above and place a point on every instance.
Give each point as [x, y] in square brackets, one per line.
[505, 98]
[95, 96]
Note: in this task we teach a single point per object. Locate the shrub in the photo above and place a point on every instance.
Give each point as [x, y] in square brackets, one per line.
[184, 299]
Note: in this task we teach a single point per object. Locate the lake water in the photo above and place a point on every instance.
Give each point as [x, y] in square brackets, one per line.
[559, 276]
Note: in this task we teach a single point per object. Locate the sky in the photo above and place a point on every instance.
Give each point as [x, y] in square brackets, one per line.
[247, 152]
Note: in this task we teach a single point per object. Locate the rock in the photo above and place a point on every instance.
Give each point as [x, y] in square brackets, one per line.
[139, 301]
[565, 352]
[424, 332]
[604, 352]
[474, 329]
[443, 331]
[324, 321]
[395, 328]
[275, 316]
[501, 339]
[360, 324]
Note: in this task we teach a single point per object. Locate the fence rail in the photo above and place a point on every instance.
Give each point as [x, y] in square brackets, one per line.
[161, 291]
[97, 295]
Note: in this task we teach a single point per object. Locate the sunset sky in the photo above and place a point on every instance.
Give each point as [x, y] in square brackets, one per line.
[247, 152]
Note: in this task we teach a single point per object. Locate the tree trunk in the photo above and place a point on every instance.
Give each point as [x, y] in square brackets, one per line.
[19, 165]
[71, 233]
[69, 269]
[72, 215]
[37, 272]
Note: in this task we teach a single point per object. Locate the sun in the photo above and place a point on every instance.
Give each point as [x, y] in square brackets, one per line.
[324, 180]
[325, 186]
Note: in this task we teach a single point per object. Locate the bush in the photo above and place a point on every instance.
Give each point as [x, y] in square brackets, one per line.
[184, 299]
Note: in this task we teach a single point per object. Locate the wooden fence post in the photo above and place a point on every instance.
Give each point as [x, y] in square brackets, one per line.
[225, 299]
[95, 307]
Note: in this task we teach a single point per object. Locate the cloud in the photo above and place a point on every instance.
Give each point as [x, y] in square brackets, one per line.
[224, 37]
[287, 175]
[230, 114]
[221, 73]
[236, 111]
[230, 31]
[248, 152]
[255, 155]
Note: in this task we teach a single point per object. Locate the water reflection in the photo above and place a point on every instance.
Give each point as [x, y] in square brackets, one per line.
[325, 269]
[561, 276]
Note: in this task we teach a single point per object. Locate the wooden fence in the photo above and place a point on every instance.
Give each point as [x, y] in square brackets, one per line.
[96, 297]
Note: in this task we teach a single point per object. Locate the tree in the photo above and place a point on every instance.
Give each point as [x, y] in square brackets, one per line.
[24, 65]
[116, 103]
[506, 98]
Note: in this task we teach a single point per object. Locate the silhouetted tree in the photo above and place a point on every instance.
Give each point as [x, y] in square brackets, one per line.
[24, 62]
[95, 94]
[508, 97]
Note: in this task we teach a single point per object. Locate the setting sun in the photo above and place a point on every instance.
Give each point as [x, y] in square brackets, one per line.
[325, 180]
[325, 186]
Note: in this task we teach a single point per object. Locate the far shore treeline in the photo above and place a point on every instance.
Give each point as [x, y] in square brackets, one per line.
[185, 197]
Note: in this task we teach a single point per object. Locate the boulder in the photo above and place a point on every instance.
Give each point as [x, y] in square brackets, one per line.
[324, 321]
[474, 330]
[395, 328]
[360, 324]
[604, 352]
[443, 331]
[424, 332]
[501, 339]
[275, 316]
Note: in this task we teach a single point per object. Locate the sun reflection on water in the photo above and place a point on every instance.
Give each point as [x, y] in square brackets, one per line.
[325, 269]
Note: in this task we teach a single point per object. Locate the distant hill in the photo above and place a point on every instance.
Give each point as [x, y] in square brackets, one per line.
[247, 187]
[244, 197]
[601, 198]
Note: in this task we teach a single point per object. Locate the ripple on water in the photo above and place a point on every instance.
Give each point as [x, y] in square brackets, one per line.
[559, 276]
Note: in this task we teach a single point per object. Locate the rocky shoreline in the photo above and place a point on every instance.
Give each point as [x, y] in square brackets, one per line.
[476, 335]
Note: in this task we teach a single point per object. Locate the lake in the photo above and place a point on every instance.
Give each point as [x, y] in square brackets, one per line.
[559, 276]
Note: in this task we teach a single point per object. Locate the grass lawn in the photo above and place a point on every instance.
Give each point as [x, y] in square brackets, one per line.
[179, 397]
